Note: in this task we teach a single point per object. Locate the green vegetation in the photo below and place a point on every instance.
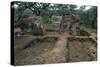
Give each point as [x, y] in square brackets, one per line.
[87, 17]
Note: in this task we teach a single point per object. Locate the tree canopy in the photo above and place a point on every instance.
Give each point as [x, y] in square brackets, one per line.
[47, 10]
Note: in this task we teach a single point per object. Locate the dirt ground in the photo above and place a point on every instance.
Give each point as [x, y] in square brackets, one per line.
[54, 49]
[79, 49]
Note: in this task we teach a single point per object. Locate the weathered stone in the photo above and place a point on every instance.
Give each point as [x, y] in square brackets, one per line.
[70, 23]
[34, 23]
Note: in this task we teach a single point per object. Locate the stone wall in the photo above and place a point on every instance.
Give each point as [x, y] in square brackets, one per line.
[70, 24]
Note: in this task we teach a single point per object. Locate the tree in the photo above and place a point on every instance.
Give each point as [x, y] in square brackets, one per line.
[46, 10]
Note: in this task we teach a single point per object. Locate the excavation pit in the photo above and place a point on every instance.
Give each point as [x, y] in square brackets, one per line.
[34, 51]
[81, 49]
[58, 49]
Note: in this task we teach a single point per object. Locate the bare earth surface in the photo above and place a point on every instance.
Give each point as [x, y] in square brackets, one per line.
[42, 52]
[53, 52]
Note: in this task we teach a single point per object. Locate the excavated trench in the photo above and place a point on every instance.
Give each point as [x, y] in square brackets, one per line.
[59, 49]
[81, 49]
[32, 52]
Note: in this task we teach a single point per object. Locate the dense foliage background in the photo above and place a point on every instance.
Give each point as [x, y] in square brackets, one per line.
[88, 17]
